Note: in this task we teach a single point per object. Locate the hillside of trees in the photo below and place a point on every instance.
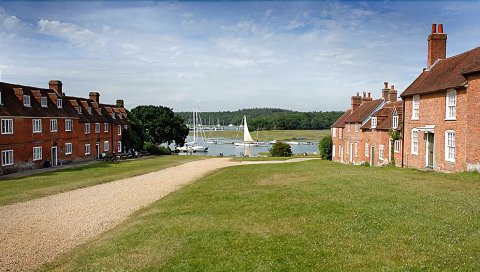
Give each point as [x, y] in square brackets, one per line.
[268, 118]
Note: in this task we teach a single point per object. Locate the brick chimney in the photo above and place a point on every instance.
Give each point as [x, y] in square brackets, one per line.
[392, 94]
[366, 97]
[120, 103]
[385, 92]
[356, 101]
[437, 45]
[94, 96]
[57, 86]
[19, 94]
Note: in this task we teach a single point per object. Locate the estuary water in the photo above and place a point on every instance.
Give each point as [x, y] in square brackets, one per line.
[227, 148]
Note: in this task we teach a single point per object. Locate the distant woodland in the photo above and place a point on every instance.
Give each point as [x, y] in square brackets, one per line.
[267, 118]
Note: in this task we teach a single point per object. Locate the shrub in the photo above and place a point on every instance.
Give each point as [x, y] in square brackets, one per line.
[156, 150]
[280, 149]
[325, 148]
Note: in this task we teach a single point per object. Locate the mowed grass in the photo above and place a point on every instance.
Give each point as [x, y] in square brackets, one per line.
[48, 183]
[309, 216]
[269, 135]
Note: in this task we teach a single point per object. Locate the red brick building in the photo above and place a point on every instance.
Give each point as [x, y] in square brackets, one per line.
[42, 127]
[442, 110]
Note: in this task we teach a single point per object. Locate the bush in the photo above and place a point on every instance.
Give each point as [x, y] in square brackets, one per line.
[156, 150]
[325, 148]
[280, 149]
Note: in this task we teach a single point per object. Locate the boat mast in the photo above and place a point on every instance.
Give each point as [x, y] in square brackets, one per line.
[194, 126]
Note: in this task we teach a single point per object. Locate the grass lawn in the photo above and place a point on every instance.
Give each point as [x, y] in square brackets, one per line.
[309, 216]
[269, 135]
[35, 186]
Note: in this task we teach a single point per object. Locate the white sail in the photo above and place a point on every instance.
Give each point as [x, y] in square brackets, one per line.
[247, 138]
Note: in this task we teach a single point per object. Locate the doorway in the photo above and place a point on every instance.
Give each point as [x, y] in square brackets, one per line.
[54, 156]
[351, 152]
[430, 148]
[97, 151]
[372, 155]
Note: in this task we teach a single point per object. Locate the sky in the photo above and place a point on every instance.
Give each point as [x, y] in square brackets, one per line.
[227, 55]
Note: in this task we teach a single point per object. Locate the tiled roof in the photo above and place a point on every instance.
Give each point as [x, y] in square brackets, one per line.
[445, 74]
[340, 123]
[363, 111]
[385, 116]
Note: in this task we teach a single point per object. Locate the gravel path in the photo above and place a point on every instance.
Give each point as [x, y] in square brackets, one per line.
[36, 231]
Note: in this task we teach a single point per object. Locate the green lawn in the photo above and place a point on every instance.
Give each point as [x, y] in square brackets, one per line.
[25, 188]
[269, 135]
[309, 216]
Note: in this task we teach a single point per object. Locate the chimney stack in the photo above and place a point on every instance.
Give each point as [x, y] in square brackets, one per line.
[356, 101]
[366, 97]
[437, 45]
[392, 94]
[57, 86]
[385, 91]
[94, 96]
[120, 103]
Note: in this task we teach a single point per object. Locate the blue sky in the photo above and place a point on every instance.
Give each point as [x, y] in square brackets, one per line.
[227, 55]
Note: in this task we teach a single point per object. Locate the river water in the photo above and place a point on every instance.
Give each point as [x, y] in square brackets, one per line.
[251, 151]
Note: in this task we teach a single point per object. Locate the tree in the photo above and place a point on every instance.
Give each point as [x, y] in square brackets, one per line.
[325, 148]
[161, 125]
[280, 149]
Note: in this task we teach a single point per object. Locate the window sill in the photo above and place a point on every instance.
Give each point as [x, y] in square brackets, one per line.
[450, 119]
[450, 161]
[415, 119]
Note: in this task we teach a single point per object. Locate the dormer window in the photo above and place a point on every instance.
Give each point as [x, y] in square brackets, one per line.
[374, 122]
[79, 110]
[59, 103]
[43, 101]
[395, 121]
[26, 100]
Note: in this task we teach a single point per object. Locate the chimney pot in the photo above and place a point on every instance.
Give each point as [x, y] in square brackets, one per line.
[385, 84]
[94, 96]
[369, 95]
[440, 28]
[392, 87]
[434, 28]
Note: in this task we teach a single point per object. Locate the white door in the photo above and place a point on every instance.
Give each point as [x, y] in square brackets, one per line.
[54, 156]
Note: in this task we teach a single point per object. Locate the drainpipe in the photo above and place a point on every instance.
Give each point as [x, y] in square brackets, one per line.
[403, 131]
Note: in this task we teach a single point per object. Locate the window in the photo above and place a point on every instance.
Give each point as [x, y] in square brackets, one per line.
[395, 121]
[119, 146]
[53, 125]
[7, 157]
[7, 126]
[333, 151]
[374, 122]
[334, 132]
[340, 152]
[416, 107]
[68, 148]
[450, 145]
[105, 146]
[37, 153]
[415, 142]
[43, 101]
[79, 110]
[451, 105]
[89, 110]
[380, 152]
[119, 129]
[87, 149]
[396, 146]
[1, 97]
[59, 103]
[26, 100]
[348, 127]
[340, 133]
[356, 150]
[68, 124]
[366, 150]
[356, 127]
[105, 127]
[97, 127]
[125, 127]
[37, 125]
[87, 128]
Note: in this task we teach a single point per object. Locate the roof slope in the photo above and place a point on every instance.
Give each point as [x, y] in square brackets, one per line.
[363, 111]
[340, 123]
[445, 74]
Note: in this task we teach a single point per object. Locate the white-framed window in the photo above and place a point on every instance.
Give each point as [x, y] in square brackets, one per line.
[356, 150]
[44, 101]
[97, 127]
[340, 133]
[396, 146]
[366, 150]
[105, 146]
[68, 148]
[59, 103]
[395, 121]
[79, 110]
[374, 122]
[348, 148]
[87, 149]
[416, 107]
[7, 126]
[53, 125]
[87, 128]
[356, 127]
[334, 132]
[415, 134]
[348, 127]
[26, 100]
[119, 146]
[450, 145]
[1, 103]
[37, 153]
[37, 125]
[451, 103]
[7, 157]
[105, 127]
[333, 151]
[68, 124]
[90, 110]
[119, 129]
[380, 152]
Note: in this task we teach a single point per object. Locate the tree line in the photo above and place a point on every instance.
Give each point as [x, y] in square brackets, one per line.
[268, 118]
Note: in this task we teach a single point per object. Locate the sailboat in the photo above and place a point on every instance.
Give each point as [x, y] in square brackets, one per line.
[193, 146]
[247, 138]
